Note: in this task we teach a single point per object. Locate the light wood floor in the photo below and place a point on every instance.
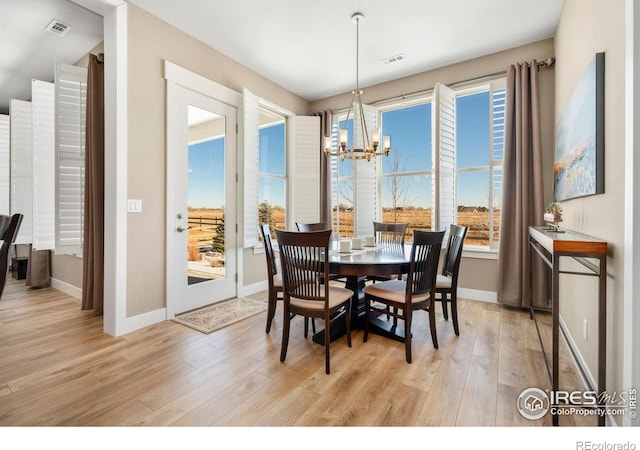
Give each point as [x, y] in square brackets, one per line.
[58, 368]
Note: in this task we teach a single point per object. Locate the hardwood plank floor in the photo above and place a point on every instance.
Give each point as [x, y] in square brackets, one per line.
[58, 368]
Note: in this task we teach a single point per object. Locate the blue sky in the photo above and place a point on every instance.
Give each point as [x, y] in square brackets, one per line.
[206, 174]
[410, 131]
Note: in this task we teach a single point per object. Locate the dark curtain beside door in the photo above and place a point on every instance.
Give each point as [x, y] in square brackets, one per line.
[93, 243]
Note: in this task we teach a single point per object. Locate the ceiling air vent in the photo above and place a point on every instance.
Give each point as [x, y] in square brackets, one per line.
[57, 27]
[392, 59]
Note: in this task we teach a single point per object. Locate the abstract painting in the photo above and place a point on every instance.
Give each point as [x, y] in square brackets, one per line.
[578, 168]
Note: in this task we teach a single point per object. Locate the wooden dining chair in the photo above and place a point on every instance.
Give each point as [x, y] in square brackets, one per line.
[386, 235]
[389, 233]
[9, 226]
[402, 297]
[319, 226]
[304, 257]
[447, 282]
[275, 281]
[316, 226]
[273, 277]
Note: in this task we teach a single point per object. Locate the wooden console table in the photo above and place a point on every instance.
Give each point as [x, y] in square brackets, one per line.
[551, 246]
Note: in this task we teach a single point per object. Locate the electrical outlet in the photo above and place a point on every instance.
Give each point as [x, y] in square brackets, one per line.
[585, 329]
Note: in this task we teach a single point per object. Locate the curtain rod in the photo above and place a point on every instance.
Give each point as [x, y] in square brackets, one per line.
[100, 58]
[546, 63]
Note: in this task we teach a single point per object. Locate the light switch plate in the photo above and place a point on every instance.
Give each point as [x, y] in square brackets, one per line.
[134, 205]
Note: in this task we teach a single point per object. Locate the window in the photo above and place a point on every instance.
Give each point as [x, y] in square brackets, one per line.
[342, 183]
[405, 186]
[445, 165]
[288, 180]
[354, 183]
[479, 151]
[272, 169]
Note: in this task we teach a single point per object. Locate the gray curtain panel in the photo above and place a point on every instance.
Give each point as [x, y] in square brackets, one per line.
[38, 268]
[93, 244]
[521, 280]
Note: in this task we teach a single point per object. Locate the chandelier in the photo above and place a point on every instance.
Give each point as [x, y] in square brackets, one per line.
[363, 146]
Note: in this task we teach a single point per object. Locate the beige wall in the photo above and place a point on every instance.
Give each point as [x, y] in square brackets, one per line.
[150, 42]
[480, 274]
[586, 28]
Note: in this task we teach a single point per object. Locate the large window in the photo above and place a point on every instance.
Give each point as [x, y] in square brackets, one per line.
[406, 179]
[431, 179]
[343, 187]
[272, 169]
[479, 151]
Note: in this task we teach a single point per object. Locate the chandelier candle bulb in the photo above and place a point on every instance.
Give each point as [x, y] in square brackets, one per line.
[327, 143]
[376, 136]
[387, 142]
[343, 138]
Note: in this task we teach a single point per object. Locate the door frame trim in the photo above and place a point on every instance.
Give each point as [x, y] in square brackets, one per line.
[175, 76]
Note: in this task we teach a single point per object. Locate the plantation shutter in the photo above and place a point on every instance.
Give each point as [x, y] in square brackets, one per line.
[498, 112]
[42, 99]
[305, 177]
[22, 167]
[250, 135]
[366, 181]
[333, 162]
[444, 161]
[4, 165]
[70, 115]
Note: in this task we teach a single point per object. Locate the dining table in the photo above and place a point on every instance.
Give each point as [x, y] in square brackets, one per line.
[355, 266]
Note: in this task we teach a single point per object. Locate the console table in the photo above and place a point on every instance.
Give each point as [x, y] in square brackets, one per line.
[552, 245]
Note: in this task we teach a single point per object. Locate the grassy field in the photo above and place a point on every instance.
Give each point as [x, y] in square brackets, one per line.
[204, 221]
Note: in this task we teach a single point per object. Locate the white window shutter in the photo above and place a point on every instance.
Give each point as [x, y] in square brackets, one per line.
[42, 100]
[22, 167]
[444, 160]
[366, 181]
[70, 114]
[4, 165]
[250, 136]
[305, 176]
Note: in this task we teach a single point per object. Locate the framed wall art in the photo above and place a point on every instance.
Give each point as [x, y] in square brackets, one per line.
[578, 168]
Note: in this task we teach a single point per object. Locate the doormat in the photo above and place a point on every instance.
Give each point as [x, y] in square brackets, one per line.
[220, 315]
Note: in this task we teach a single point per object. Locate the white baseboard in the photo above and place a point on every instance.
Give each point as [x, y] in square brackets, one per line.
[67, 288]
[476, 294]
[144, 320]
[254, 288]
[584, 373]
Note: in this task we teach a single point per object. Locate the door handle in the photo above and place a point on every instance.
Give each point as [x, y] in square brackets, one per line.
[181, 229]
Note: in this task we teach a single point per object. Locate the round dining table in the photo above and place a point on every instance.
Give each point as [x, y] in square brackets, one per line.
[355, 266]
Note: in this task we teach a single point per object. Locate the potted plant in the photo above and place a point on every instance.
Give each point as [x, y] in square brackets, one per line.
[553, 212]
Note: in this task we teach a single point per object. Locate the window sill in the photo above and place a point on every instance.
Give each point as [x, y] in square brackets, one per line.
[479, 253]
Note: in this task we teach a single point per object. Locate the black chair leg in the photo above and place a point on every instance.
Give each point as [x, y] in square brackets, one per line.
[367, 317]
[271, 312]
[445, 308]
[454, 313]
[285, 336]
[432, 325]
